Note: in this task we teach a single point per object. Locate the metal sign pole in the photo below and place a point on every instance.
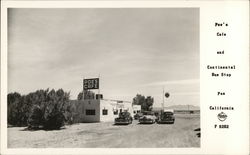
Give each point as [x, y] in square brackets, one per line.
[163, 98]
[99, 83]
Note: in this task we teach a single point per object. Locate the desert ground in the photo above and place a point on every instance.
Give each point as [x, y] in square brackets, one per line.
[183, 133]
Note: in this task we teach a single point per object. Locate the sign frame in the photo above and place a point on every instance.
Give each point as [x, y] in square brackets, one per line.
[92, 83]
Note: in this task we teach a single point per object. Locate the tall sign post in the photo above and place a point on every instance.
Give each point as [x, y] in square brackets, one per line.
[163, 92]
[167, 96]
[98, 82]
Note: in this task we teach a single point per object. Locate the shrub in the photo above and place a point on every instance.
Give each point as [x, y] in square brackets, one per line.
[42, 108]
[16, 111]
[54, 120]
[36, 118]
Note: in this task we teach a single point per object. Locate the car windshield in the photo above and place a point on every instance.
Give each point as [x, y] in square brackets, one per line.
[123, 114]
[167, 113]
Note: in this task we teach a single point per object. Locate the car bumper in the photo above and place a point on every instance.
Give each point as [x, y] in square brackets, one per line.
[122, 122]
[146, 121]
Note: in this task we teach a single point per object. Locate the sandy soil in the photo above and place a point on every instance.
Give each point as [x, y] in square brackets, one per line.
[107, 135]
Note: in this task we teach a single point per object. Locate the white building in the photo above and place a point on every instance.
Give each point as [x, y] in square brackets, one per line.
[102, 110]
[136, 109]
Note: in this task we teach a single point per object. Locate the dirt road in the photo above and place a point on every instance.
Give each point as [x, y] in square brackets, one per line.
[107, 135]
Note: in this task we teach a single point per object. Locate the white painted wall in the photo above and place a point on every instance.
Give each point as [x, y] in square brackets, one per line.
[110, 106]
[99, 106]
[136, 109]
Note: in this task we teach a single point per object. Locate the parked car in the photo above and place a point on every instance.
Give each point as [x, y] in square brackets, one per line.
[138, 115]
[148, 117]
[124, 118]
[166, 116]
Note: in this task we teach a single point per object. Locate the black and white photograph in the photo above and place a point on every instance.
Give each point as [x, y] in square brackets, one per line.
[103, 78]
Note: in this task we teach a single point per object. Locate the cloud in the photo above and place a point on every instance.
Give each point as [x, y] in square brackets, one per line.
[134, 50]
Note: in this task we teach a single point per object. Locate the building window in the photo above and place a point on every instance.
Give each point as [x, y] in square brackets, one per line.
[90, 112]
[104, 112]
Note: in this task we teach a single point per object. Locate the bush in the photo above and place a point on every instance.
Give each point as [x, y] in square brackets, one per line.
[54, 120]
[42, 108]
[16, 111]
[36, 118]
[71, 115]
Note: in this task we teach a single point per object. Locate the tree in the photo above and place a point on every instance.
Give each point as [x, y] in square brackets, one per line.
[146, 103]
[36, 118]
[149, 103]
[14, 108]
[71, 114]
[87, 95]
[42, 108]
[54, 109]
[138, 100]
[80, 96]
[33, 104]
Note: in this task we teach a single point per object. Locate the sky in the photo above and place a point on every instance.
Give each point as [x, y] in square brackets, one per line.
[135, 51]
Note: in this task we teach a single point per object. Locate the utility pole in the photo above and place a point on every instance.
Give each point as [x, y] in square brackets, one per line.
[163, 96]
[83, 89]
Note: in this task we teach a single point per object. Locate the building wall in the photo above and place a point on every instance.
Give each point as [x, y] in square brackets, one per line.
[104, 109]
[110, 108]
[88, 105]
[136, 109]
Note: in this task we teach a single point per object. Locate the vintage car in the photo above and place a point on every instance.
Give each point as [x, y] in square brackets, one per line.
[138, 115]
[124, 118]
[166, 116]
[147, 117]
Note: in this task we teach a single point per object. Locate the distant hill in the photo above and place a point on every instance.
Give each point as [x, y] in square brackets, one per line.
[180, 107]
[184, 107]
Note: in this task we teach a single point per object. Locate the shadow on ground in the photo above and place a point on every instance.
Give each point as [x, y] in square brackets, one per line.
[120, 124]
[41, 128]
